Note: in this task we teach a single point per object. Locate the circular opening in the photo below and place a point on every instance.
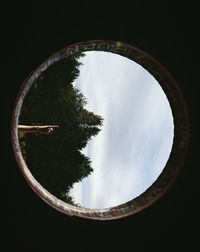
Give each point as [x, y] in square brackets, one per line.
[125, 145]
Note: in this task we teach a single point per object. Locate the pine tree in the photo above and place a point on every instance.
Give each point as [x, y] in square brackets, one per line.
[55, 159]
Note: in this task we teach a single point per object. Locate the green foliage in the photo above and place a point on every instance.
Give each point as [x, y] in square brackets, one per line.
[55, 160]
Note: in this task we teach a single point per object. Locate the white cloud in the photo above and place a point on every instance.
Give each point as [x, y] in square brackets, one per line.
[76, 193]
[135, 141]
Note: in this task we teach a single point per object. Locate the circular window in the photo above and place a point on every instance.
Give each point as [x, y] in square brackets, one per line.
[100, 130]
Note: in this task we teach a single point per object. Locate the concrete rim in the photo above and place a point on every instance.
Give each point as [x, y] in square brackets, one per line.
[181, 131]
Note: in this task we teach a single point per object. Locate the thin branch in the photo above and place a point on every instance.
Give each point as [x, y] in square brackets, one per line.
[46, 129]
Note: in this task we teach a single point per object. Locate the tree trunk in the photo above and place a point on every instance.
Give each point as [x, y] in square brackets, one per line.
[46, 129]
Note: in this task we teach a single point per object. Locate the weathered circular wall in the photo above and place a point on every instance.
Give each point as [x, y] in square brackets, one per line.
[181, 131]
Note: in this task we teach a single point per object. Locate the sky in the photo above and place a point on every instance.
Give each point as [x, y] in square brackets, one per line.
[135, 141]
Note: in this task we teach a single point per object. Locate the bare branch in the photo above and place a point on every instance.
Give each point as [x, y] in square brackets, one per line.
[46, 129]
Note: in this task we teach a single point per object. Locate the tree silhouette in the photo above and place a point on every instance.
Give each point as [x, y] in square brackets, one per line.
[55, 159]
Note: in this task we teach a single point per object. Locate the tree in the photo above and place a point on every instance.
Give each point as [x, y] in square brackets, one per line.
[55, 160]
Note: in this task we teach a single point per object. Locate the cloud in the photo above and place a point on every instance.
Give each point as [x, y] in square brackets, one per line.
[134, 144]
[76, 193]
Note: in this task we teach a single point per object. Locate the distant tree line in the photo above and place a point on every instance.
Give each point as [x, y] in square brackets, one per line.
[55, 159]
